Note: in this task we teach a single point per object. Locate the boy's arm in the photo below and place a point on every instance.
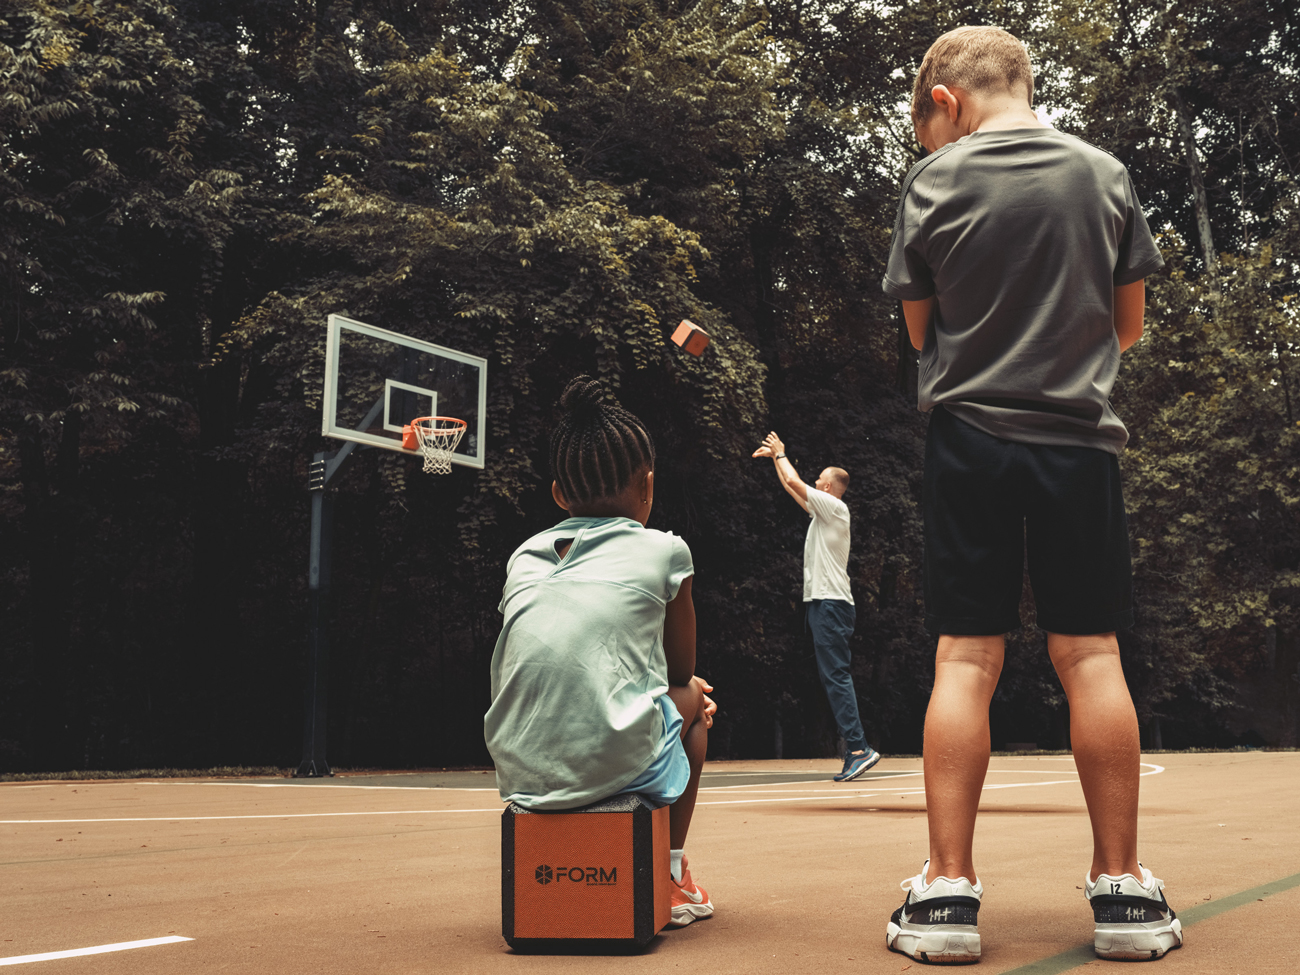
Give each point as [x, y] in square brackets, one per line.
[785, 472]
[1130, 307]
[917, 314]
[679, 635]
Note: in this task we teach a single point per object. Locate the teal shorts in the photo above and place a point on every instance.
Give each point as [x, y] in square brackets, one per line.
[668, 775]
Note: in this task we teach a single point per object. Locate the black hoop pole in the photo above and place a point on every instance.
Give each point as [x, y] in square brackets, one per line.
[319, 564]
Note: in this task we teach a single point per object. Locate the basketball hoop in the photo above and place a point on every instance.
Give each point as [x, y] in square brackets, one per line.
[437, 437]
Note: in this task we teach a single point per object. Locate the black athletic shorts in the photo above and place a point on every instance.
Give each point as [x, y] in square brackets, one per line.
[988, 500]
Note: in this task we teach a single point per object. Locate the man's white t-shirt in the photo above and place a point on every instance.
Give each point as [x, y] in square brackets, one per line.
[826, 549]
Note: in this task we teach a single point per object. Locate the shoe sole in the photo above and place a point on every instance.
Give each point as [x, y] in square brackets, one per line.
[684, 914]
[953, 947]
[858, 771]
[1133, 942]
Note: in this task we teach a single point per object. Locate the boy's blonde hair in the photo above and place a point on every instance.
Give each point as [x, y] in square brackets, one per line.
[979, 59]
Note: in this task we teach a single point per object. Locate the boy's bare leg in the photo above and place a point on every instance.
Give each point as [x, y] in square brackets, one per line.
[966, 671]
[1104, 737]
[689, 701]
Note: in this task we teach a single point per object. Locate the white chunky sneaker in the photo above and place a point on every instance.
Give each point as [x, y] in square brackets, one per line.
[938, 921]
[1133, 920]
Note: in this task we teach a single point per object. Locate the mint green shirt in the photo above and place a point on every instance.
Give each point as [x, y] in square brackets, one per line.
[579, 667]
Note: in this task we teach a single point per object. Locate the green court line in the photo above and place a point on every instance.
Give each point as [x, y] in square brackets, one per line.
[1076, 957]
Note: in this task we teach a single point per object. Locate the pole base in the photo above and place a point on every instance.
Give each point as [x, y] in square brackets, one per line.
[309, 769]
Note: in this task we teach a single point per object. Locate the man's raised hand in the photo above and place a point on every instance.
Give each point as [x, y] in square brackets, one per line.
[772, 446]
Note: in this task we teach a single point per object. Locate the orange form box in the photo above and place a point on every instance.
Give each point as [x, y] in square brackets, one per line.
[691, 337]
[595, 878]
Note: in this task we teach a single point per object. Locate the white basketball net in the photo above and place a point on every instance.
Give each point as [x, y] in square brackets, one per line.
[438, 437]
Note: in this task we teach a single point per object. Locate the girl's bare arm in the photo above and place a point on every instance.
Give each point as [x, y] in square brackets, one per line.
[679, 636]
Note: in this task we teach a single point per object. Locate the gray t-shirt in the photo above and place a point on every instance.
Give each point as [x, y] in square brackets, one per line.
[1022, 236]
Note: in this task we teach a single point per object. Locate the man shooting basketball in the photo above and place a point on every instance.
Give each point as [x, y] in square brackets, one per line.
[827, 597]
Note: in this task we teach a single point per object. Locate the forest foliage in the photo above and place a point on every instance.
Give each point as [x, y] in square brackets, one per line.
[188, 189]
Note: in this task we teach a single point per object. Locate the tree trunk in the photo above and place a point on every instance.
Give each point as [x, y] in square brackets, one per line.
[208, 669]
[1287, 678]
[1199, 200]
[54, 681]
[1286, 389]
[761, 243]
[1157, 741]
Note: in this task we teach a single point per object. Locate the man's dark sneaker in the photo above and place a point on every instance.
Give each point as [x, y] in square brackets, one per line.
[938, 922]
[1133, 920]
[855, 765]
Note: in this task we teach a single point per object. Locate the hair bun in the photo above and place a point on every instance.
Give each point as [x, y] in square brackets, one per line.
[583, 396]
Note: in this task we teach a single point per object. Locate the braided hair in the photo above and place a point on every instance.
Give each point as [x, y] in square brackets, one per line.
[597, 447]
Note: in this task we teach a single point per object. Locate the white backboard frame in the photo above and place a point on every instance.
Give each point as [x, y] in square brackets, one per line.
[336, 327]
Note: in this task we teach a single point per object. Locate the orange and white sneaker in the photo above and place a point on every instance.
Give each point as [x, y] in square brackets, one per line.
[690, 901]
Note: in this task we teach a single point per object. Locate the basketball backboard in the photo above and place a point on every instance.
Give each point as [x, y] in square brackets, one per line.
[376, 381]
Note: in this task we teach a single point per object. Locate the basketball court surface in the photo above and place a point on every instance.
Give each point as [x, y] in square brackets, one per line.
[401, 873]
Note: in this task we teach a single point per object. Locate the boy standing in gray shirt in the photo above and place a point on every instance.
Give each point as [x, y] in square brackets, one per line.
[1019, 255]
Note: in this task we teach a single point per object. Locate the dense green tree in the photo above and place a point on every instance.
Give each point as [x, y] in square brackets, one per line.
[1212, 479]
[110, 207]
[1193, 97]
[188, 189]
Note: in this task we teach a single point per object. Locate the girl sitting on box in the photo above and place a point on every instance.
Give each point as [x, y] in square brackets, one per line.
[593, 686]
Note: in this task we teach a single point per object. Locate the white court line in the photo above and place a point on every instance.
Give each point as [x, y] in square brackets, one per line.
[1155, 770]
[846, 796]
[196, 819]
[806, 771]
[408, 788]
[466, 788]
[829, 790]
[757, 787]
[374, 788]
[97, 950]
[815, 781]
[868, 795]
[856, 794]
